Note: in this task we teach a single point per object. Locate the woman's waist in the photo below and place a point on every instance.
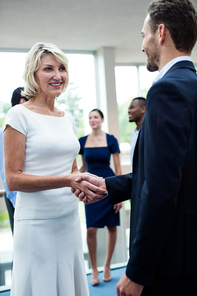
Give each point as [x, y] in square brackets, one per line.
[37, 205]
[100, 171]
[98, 166]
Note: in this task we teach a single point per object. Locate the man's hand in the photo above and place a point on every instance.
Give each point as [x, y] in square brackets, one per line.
[94, 188]
[126, 287]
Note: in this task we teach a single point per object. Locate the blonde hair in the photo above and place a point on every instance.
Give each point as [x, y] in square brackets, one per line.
[33, 63]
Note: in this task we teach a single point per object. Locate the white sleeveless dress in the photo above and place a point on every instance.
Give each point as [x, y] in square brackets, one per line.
[48, 256]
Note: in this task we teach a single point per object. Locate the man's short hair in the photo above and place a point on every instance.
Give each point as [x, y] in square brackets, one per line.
[141, 100]
[179, 17]
[16, 96]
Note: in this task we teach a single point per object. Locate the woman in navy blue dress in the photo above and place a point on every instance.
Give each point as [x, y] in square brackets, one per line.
[96, 150]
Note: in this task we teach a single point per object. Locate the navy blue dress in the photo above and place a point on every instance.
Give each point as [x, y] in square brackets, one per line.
[97, 159]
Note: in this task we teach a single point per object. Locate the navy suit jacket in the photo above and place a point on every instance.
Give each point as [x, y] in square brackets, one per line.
[163, 186]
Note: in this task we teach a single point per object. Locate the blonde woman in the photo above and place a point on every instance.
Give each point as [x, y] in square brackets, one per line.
[40, 147]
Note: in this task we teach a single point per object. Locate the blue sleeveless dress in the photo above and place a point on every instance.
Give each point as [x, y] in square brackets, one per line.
[97, 159]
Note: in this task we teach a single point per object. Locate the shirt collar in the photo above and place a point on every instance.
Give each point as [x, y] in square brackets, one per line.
[165, 69]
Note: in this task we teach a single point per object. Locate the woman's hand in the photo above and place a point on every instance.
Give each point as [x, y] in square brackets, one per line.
[117, 207]
[89, 186]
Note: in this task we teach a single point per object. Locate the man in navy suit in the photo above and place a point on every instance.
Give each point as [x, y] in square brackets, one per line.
[163, 186]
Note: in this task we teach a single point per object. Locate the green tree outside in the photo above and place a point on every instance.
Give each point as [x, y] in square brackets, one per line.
[4, 107]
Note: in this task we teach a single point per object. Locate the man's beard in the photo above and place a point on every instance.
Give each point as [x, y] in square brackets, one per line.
[153, 61]
[152, 67]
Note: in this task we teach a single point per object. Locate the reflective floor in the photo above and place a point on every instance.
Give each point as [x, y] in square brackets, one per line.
[104, 289]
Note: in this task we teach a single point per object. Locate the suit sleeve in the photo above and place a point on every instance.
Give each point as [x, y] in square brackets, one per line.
[166, 129]
[119, 188]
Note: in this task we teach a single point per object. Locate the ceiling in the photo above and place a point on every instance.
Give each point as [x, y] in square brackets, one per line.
[76, 25]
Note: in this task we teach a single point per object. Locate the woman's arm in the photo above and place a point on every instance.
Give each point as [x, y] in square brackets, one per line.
[74, 167]
[116, 157]
[83, 167]
[14, 155]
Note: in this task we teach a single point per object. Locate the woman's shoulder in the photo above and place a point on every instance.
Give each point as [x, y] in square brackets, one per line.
[68, 115]
[18, 118]
[83, 139]
[17, 108]
[113, 143]
[17, 111]
[110, 138]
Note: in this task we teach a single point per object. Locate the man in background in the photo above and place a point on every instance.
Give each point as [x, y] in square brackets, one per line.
[10, 196]
[136, 113]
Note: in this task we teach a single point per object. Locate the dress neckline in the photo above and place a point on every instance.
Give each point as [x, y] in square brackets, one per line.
[96, 146]
[42, 114]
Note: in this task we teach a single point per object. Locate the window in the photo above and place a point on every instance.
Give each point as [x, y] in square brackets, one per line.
[131, 81]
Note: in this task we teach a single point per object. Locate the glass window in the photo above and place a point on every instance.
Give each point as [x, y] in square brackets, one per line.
[131, 81]
[146, 79]
[126, 89]
[126, 83]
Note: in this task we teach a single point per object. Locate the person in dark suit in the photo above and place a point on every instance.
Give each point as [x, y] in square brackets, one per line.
[163, 186]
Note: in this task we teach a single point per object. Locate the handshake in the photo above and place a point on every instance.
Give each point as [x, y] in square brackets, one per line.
[89, 188]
